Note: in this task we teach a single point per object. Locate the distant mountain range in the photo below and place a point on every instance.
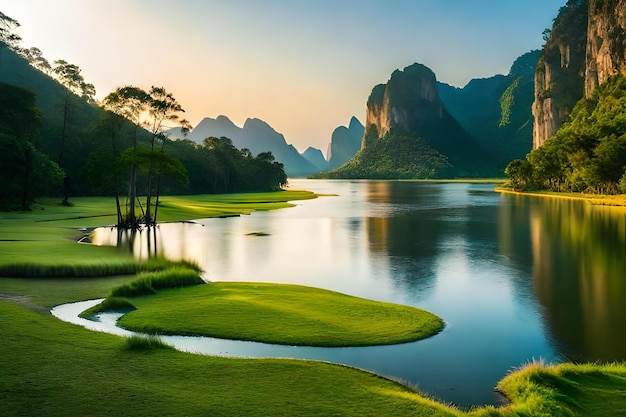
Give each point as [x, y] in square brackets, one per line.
[258, 136]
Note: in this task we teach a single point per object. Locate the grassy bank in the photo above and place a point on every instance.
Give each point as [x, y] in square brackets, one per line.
[42, 242]
[53, 368]
[275, 313]
[618, 200]
[57, 369]
[564, 390]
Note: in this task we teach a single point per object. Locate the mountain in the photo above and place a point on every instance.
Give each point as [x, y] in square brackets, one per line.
[316, 158]
[560, 75]
[344, 143]
[496, 111]
[409, 133]
[257, 136]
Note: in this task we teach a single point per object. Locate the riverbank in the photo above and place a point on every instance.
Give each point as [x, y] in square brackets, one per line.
[42, 242]
[55, 368]
[618, 200]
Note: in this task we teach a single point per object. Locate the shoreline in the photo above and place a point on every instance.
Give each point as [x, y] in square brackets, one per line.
[618, 200]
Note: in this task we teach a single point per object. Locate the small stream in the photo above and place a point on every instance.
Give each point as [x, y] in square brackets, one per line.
[368, 357]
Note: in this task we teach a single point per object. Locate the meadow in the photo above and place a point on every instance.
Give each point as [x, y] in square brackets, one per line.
[49, 367]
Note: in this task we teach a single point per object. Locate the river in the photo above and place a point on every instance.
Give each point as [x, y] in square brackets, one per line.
[515, 278]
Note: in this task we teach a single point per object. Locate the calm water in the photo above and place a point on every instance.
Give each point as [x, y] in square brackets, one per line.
[514, 278]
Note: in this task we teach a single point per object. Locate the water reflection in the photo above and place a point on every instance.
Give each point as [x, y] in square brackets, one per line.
[578, 275]
[514, 278]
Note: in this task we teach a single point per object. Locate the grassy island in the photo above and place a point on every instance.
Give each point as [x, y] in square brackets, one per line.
[278, 313]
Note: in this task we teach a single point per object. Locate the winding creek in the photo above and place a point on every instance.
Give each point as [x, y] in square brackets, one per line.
[515, 278]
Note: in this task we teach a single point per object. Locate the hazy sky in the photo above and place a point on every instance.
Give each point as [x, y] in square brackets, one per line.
[303, 66]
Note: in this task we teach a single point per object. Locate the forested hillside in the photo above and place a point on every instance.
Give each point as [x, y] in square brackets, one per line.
[57, 141]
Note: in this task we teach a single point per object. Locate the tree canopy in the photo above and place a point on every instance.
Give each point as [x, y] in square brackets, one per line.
[588, 153]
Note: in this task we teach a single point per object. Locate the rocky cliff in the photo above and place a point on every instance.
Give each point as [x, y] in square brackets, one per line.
[559, 79]
[410, 103]
[410, 134]
[606, 42]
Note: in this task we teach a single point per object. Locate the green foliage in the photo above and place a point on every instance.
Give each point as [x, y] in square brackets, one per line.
[520, 173]
[507, 100]
[394, 156]
[89, 141]
[218, 167]
[150, 282]
[588, 153]
[145, 343]
[25, 171]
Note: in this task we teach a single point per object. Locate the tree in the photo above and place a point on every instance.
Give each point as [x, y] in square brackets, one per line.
[36, 59]
[8, 39]
[25, 171]
[520, 173]
[69, 76]
[129, 102]
[158, 107]
[162, 108]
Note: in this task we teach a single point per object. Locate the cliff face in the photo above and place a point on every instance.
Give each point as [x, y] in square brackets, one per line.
[559, 79]
[410, 102]
[606, 42]
[408, 113]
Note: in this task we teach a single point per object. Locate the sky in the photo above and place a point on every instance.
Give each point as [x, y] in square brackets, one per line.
[303, 66]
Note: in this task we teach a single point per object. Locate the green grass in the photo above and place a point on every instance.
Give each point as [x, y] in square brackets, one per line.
[146, 343]
[564, 390]
[108, 304]
[279, 313]
[53, 368]
[42, 242]
[149, 282]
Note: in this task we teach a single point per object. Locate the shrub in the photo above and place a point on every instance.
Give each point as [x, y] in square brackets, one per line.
[145, 343]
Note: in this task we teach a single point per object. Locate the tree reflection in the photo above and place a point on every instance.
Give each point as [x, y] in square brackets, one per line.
[578, 273]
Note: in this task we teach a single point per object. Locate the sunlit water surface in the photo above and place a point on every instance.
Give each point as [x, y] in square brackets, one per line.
[515, 278]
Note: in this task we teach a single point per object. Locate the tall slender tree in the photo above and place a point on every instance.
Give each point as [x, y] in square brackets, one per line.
[69, 75]
[130, 102]
[162, 108]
